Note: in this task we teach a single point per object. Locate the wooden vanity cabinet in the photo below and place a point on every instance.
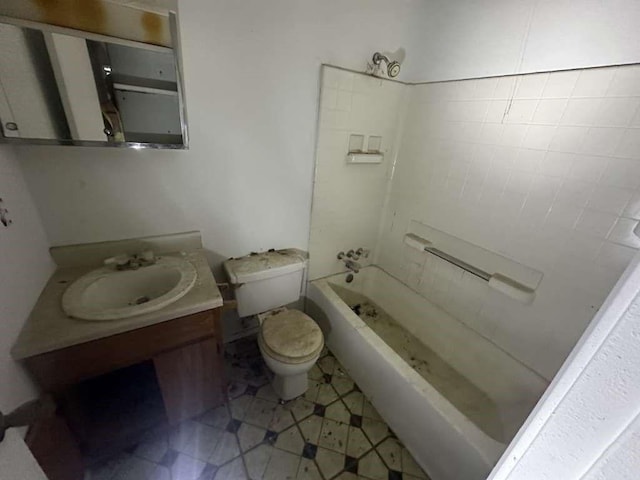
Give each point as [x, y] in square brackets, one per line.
[186, 353]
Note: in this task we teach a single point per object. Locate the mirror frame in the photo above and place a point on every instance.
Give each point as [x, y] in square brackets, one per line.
[177, 54]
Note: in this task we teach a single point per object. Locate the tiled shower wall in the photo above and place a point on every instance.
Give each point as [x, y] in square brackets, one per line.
[542, 168]
[348, 198]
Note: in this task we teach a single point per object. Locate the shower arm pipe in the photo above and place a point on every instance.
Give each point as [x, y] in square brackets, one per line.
[459, 263]
[379, 57]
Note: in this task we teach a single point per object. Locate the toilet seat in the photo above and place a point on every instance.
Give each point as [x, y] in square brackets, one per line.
[291, 337]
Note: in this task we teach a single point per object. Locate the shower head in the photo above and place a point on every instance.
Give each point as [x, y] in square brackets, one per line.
[393, 67]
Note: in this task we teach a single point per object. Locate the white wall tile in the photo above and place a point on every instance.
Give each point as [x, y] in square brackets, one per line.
[329, 98]
[625, 82]
[485, 88]
[539, 137]
[588, 168]
[603, 141]
[629, 145]
[541, 168]
[550, 110]
[343, 100]
[593, 82]
[513, 135]
[575, 192]
[496, 111]
[581, 111]
[491, 133]
[531, 86]
[560, 84]
[614, 256]
[347, 198]
[330, 77]
[609, 199]
[621, 173]
[505, 87]
[632, 210]
[635, 122]
[568, 139]
[557, 164]
[528, 160]
[617, 112]
[597, 224]
[345, 80]
[521, 111]
[558, 196]
[519, 182]
[563, 214]
[464, 90]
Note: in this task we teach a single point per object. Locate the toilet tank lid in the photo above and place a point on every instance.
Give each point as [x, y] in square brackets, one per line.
[260, 266]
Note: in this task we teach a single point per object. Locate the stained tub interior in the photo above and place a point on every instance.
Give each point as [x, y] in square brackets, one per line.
[475, 404]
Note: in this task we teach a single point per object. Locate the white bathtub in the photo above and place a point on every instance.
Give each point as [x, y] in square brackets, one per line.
[446, 443]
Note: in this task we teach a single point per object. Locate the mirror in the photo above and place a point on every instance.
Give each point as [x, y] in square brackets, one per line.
[67, 87]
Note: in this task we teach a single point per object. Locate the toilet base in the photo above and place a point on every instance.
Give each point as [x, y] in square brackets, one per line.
[291, 386]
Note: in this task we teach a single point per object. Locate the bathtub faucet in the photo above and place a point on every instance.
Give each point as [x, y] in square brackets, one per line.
[352, 265]
[355, 254]
[350, 260]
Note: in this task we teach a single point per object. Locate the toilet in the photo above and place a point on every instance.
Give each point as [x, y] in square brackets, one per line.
[289, 340]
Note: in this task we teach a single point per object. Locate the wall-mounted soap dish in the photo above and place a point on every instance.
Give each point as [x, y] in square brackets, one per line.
[357, 152]
[364, 157]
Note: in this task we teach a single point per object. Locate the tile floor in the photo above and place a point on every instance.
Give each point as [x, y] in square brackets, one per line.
[332, 432]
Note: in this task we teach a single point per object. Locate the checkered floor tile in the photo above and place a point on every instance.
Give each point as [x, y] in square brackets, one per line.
[331, 432]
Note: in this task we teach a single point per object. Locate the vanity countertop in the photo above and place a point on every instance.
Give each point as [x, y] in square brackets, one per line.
[48, 328]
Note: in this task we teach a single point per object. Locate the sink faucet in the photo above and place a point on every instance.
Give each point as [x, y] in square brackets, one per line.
[132, 262]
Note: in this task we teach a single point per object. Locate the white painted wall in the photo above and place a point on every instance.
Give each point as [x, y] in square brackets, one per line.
[25, 267]
[348, 198]
[477, 38]
[252, 73]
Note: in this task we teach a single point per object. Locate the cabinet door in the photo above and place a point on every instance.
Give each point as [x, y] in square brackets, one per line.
[191, 379]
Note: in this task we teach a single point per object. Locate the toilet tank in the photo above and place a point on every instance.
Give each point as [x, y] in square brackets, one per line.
[264, 281]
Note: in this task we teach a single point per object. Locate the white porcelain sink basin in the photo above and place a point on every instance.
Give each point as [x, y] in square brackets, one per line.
[110, 294]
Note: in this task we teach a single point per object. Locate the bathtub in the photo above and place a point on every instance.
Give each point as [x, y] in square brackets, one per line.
[457, 409]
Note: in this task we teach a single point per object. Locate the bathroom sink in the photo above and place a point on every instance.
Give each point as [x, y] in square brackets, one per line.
[110, 294]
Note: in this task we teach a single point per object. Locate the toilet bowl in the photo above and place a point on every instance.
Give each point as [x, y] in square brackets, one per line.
[290, 343]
